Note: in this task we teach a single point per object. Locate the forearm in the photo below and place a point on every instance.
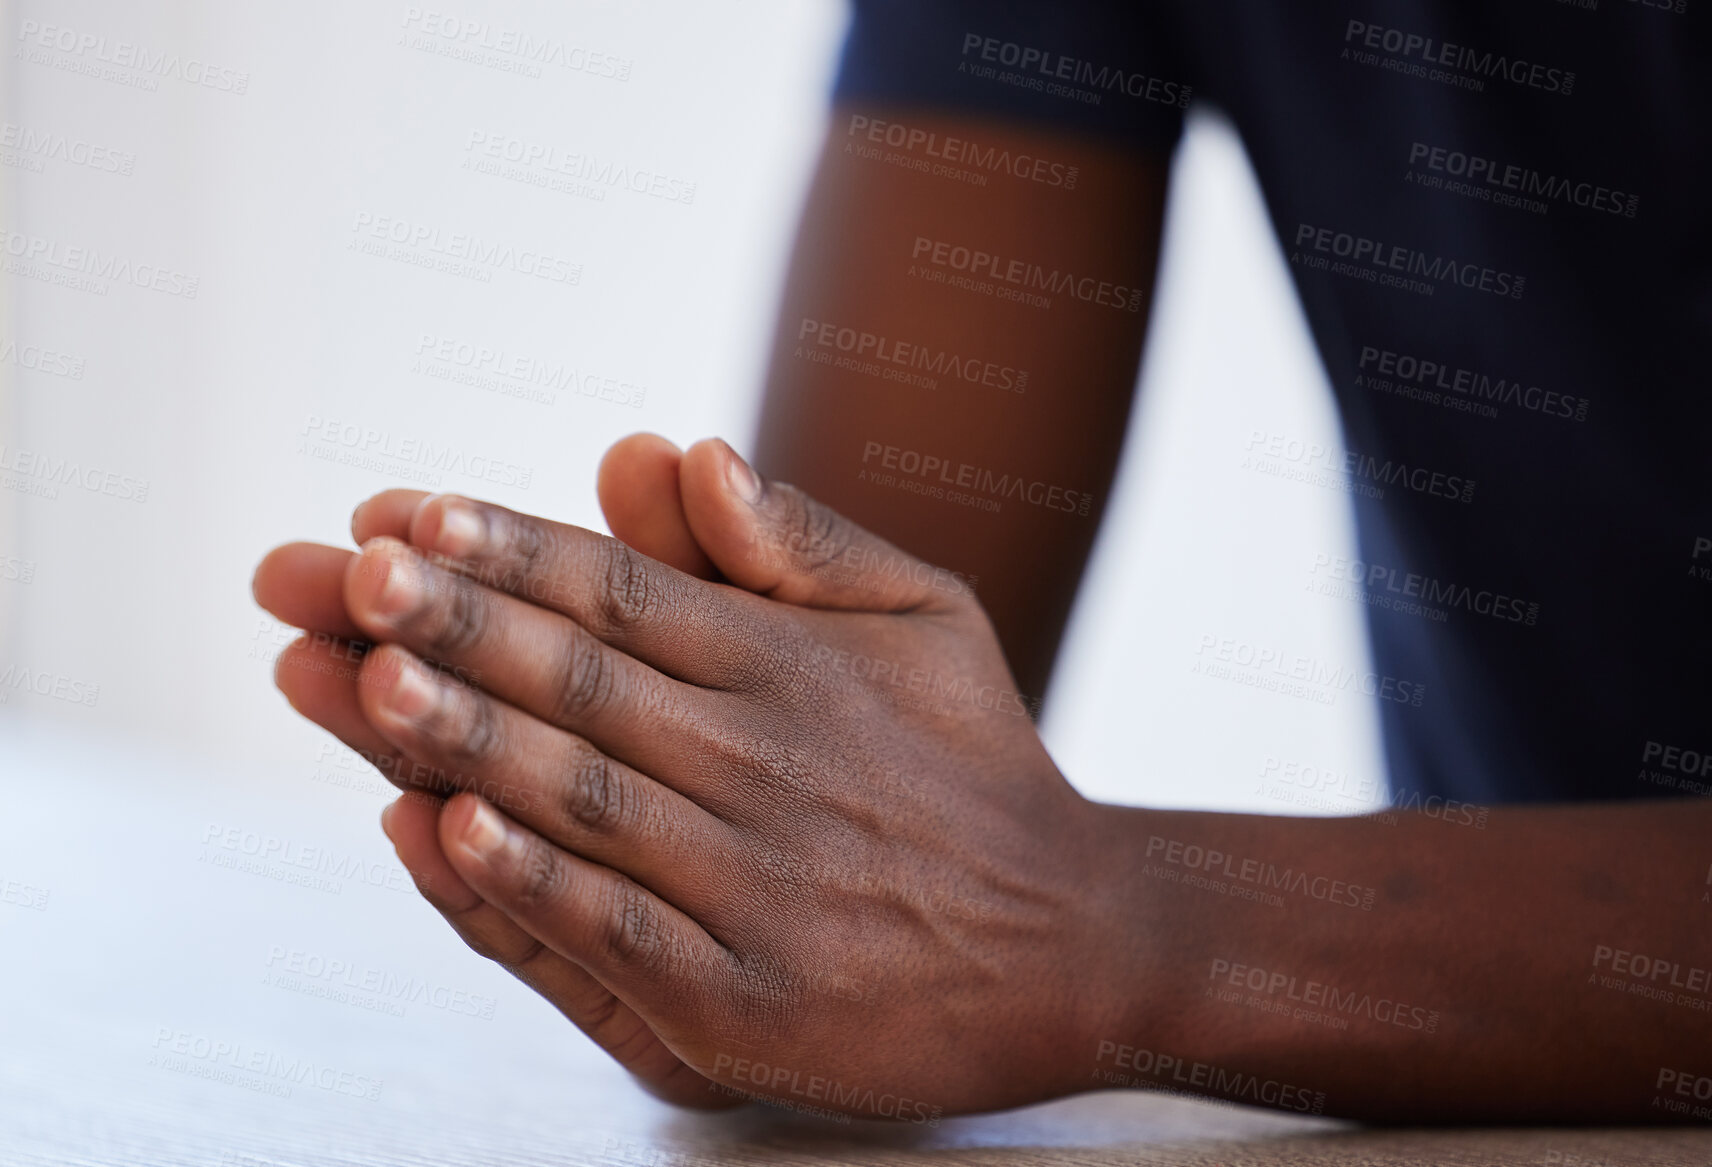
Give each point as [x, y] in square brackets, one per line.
[1420, 969]
[883, 360]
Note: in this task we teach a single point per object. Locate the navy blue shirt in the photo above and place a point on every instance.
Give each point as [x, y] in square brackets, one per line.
[1498, 216]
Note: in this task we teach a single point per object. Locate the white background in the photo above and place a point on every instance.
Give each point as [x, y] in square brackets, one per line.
[256, 195]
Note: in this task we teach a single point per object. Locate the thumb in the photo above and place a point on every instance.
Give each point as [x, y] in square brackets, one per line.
[638, 490]
[773, 539]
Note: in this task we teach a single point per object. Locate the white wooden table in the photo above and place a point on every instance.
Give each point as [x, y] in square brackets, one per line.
[168, 998]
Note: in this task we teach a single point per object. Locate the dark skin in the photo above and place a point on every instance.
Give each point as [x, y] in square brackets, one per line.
[703, 864]
[851, 269]
[723, 844]
[686, 842]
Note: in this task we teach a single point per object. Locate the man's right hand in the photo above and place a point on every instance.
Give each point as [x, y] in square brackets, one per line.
[766, 821]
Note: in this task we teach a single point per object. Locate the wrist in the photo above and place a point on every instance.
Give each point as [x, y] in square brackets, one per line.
[1141, 998]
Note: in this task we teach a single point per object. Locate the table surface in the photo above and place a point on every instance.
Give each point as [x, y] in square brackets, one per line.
[130, 926]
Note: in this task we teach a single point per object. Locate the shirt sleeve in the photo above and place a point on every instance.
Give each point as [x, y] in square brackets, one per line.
[1094, 66]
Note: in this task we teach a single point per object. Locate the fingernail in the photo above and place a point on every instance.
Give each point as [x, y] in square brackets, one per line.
[484, 833]
[386, 819]
[401, 589]
[412, 694]
[461, 529]
[742, 480]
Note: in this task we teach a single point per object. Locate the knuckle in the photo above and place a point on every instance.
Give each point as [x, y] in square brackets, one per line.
[594, 1019]
[628, 598]
[540, 877]
[636, 934]
[585, 684]
[525, 545]
[485, 946]
[459, 622]
[787, 878]
[511, 949]
[767, 1001]
[801, 676]
[595, 796]
[815, 534]
[776, 662]
[776, 773]
[469, 732]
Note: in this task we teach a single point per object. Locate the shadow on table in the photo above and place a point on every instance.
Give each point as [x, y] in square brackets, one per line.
[1146, 1131]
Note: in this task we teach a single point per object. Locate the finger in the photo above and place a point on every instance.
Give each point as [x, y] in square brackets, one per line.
[533, 658]
[772, 539]
[387, 513]
[555, 783]
[638, 490]
[319, 676]
[681, 626]
[412, 823]
[302, 584]
[653, 957]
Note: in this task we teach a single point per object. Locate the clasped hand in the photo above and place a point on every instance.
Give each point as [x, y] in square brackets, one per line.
[784, 831]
